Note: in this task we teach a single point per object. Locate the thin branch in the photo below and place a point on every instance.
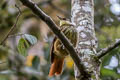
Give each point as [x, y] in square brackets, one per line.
[14, 35]
[25, 70]
[31, 72]
[105, 51]
[47, 19]
[12, 29]
[6, 72]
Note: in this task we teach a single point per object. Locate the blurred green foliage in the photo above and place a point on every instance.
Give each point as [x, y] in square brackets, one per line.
[111, 72]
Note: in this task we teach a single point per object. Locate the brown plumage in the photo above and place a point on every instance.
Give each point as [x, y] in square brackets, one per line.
[58, 51]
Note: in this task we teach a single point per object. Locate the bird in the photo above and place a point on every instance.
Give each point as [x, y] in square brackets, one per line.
[58, 52]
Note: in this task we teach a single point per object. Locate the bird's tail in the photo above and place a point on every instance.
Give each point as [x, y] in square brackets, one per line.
[56, 67]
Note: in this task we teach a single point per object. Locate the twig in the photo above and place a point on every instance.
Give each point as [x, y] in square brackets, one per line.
[12, 28]
[6, 72]
[31, 72]
[47, 19]
[14, 35]
[25, 70]
[105, 51]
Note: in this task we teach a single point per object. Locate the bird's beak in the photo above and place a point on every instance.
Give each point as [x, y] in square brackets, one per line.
[61, 18]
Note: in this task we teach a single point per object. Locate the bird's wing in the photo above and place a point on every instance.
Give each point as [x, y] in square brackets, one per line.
[51, 50]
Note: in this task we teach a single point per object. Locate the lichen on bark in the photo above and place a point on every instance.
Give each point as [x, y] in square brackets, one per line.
[83, 17]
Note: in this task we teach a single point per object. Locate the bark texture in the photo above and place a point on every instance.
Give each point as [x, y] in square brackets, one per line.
[83, 18]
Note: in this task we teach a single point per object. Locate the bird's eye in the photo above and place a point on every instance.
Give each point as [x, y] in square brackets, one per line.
[64, 19]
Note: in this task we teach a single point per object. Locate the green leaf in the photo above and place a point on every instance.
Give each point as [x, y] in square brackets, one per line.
[111, 73]
[36, 62]
[23, 46]
[31, 39]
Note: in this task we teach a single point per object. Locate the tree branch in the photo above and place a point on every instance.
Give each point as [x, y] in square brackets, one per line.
[105, 51]
[36, 10]
[14, 26]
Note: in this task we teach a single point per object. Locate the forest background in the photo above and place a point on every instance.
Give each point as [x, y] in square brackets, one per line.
[32, 39]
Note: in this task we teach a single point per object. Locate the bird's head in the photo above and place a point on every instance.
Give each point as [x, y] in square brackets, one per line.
[64, 21]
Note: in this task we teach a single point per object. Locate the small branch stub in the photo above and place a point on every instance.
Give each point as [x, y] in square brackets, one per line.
[12, 28]
[105, 51]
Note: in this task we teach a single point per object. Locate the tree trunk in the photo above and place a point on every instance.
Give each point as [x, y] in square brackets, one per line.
[83, 18]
